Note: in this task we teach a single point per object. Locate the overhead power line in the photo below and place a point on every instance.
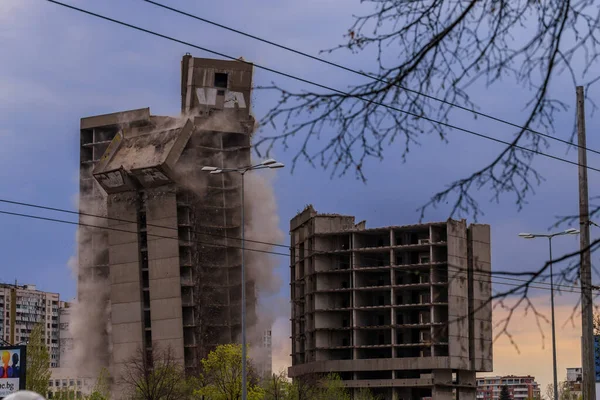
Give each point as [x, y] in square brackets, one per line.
[423, 117]
[529, 283]
[312, 252]
[298, 79]
[364, 74]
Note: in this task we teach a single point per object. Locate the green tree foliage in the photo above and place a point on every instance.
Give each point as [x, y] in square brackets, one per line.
[329, 387]
[101, 390]
[277, 387]
[504, 393]
[564, 391]
[65, 394]
[38, 361]
[365, 394]
[222, 375]
[332, 387]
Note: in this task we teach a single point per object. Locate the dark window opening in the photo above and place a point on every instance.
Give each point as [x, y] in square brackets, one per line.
[381, 300]
[142, 220]
[145, 279]
[220, 93]
[147, 299]
[148, 338]
[144, 260]
[345, 342]
[381, 320]
[147, 320]
[221, 80]
[149, 359]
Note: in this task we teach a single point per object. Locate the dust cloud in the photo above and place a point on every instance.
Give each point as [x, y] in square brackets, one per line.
[262, 225]
[89, 325]
[90, 315]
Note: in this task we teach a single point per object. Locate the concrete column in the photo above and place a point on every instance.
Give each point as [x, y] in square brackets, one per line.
[441, 393]
[458, 310]
[164, 277]
[482, 358]
[125, 288]
[467, 378]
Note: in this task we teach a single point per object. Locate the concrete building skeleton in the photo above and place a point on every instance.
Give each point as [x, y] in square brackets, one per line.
[401, 310]
[171, 256]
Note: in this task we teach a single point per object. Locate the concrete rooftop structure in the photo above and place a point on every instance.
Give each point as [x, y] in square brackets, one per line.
[402, 310]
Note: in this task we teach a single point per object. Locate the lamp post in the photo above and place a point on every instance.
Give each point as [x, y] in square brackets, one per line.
[549, 236]
[272, 164]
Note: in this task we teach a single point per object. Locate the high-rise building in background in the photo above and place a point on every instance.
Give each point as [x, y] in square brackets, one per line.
[402, 310]
[519, 387]
[168, 266]
[65, 337]
[574, 380]
[264, 357]
[21, 308]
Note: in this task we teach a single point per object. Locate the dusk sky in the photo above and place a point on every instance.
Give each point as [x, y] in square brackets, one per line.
[59, 65]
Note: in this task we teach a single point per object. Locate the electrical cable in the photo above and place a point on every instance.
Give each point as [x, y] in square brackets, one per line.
[364, 74]
[445, 124]
[312, 252]
[247, 249]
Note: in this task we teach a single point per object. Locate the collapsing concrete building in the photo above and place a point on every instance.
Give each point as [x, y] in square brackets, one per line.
[166, 272]
[402, 310]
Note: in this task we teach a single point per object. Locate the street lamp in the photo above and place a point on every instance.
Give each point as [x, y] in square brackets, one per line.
[570, 231]
[271, 164]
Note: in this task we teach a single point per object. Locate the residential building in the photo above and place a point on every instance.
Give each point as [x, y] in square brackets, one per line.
[21, 308]
[264, 356]
[519, 387]
[402, 310]
[574, 379]
[64, 380]
[65, 337]
[170, 257]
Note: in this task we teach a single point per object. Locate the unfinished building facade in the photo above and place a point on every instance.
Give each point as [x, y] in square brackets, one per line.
[169, 264]
[401, 310]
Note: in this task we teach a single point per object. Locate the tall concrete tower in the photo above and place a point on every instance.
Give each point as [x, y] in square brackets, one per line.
[170, 261]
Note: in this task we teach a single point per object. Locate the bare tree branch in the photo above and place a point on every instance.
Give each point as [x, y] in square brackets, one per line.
[443, 47]
[154, 376]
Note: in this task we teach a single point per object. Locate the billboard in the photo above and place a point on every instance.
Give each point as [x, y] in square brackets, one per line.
[12, 369]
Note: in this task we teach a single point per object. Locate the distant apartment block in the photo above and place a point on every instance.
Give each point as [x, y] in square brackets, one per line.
[62, 381]
[519, 387]
[401, 310]
[573, 383]
[65, 338]
[21, 308]
[264, 360]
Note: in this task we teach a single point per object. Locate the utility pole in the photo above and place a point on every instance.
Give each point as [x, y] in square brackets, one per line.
[587, 315]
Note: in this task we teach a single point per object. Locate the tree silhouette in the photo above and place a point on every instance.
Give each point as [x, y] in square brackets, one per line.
[504, 393]
[439, 48]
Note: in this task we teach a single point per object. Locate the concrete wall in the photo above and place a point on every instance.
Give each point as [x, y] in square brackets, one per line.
[326, 223]
[482, 357]
[125, 289]
[163, 265]
[458, 305]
